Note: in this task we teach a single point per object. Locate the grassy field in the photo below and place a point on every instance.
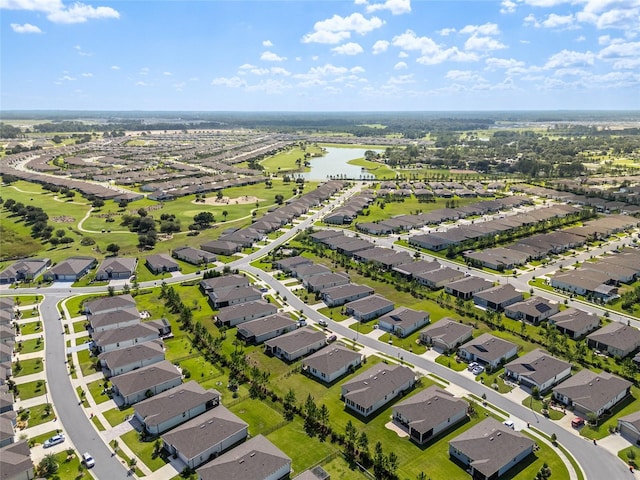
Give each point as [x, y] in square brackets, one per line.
[96, 390]
[32, 389]
[144, 450]
[30, 346]
[27, 367]
[377, 169]
[38, 416]
[30, 328]
[40, 439]
[115, 416]
[285, 161]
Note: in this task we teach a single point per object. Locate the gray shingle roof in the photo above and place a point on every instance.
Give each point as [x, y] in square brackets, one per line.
[617, 335]
[330, 360]
[591, 390]
[145, 378]
[429, 408]
[135, 353]
[370, 386]
[538, 365]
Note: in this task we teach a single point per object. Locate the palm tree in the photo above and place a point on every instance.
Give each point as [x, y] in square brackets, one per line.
[224, 214]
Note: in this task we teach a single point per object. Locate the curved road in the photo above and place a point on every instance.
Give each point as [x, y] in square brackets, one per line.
[596, 462]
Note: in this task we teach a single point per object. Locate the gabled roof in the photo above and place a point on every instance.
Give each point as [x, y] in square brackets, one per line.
[161, 260]
[112, 318]
[491, 445]
[499, 294]
[264, 325]
[198, 434]
[145, 378]
[298, 339]
[348, 290]
[244, 309]
[122, 334]
[591, 390]
[172, 402]
[72, 266]
[429, 408]
[369, 304]
[224, 281]
[110, 303]
[574, 319]
[135, 353]
[118, 265]
[617, 335]
[447, 330]
[256, 459]
[469, 284]
[15, 458]
[533, 306]
[404, 317]
[538, 365]
[374, 384]
[332, 359]
[488, 347]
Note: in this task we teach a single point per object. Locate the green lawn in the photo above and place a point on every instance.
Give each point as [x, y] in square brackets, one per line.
[30, 346]
[339, 469]
[143, 450]
[82, 395]
[285, 161]
[630, 455]
[68, 467]
[334, 313]
[95, 389]
[31, 328]
[87, 362]
[31, 389]
[494, 379]
[39, 439]
[96, 421]
[629, 405]
[451, 362]
[409, 343]
[377, 169]
[79, 327]
[115, 416]
[37, 415]
[259, 415]
[27, 367]
[125, 460]
[536, 405]
[29, 313]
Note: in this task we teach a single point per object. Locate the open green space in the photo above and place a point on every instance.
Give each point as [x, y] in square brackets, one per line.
[30, 346]
[39, 414]
[116, 416]
[125, 458]
[334, 313]
[80, 327]
[30, 328]
[291, 159]
[69, 467]
[87, 363]
[377, 169]
[31, 389]
[96, 421]
[260, 416]
[144, 450]
[450, 361]
[96, 389]
[22, 368]
[537, 406]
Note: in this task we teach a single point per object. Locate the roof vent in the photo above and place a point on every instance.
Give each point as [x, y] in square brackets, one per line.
[499, 433]
[252, 454]
[491, 439]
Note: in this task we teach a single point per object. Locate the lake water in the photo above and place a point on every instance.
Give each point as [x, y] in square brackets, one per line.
[334, 162]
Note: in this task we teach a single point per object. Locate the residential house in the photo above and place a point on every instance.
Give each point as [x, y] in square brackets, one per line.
[116, 268]
[235, 296]
[139, 384]
[6, 354]
[446, 334]
[262, 329]
[328, 280]
[368, 308]
[341, 294]
[438, 278]
[322, 235]
[497, 298]
[575, 323]
[255, 459]
[7, 334]
[124, 360]
[24, 270]
[332, 363]
[109, 340]
[629, 427]
[589, 392]
[488, 350]
[306, 271]
[467, 287]
[6, 431]
[617, 339]
[109, 304]
[286, 264]
[206, 436]
[296, 344]
[15, 462]
[403, 321]
[237, 314]
[538, 369]
[172, 407]
[377, 386]
[533, 310]
[499, 258]
[221, 247]
[589, 283]
[70, 270]
[490, 449]
[110, 320]
[223, 283]
[194, 256]
[161, 263]
[428, 413]
[412, 268]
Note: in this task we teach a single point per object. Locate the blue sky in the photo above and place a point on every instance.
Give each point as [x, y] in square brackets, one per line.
[302, 55]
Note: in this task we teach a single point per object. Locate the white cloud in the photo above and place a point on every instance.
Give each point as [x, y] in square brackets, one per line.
[463, 76]
[445, 32]
[115, 67]
[400, 66]
[380, 46]
[401, 79]
[558, 21]
[357, 70]
[410, 41]
[337, 28]
[58, 12]
[143, 84]
[81, 52]
[452, 54]
[569, 58]
[432, 53]
[68, 78]
[267, 43]
[271, 57]
[507, 6]
[581, 38]
[483, 43]
[25, 28]
[350, 48]
[531, 20]
[233, 82]
[486, 29]
[396, 7]
[144, 71]
[624, 54]
[246, 66]
[167, 74]
[87, 75]
[403, 55]
[503, 63]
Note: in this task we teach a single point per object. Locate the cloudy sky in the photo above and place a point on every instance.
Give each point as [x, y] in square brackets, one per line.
[327, 55]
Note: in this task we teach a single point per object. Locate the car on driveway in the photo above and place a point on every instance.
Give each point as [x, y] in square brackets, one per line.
[55, 440]
[478, 370]
[510, 424]
[88, 460]
[472, 365]
[577, 422]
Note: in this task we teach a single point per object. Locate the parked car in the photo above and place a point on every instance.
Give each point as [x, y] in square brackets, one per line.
[302, 323]
[323, 323]
[332, 338]
[472, 365]
[510, 424]
[55, 440]
[478, 370]
[577, 422]
[88, 460]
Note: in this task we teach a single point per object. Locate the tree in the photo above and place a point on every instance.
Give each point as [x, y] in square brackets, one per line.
[142, 212]
[111, 290]
[48, 465]
[204, 218]
[97, 203]
[224, 214]
[350, 436]
[113, 248]
[279, 199]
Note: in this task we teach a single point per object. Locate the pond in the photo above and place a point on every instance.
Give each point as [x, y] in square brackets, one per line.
[334, 162]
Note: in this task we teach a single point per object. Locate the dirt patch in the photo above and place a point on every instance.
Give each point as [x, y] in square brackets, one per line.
[244, 200]
[63, 219]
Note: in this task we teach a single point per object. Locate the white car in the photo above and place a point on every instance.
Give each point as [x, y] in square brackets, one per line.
[88, 460]
[55, 440]
[510, 424]
[323, 323]
[472, 365]
[478, 370]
